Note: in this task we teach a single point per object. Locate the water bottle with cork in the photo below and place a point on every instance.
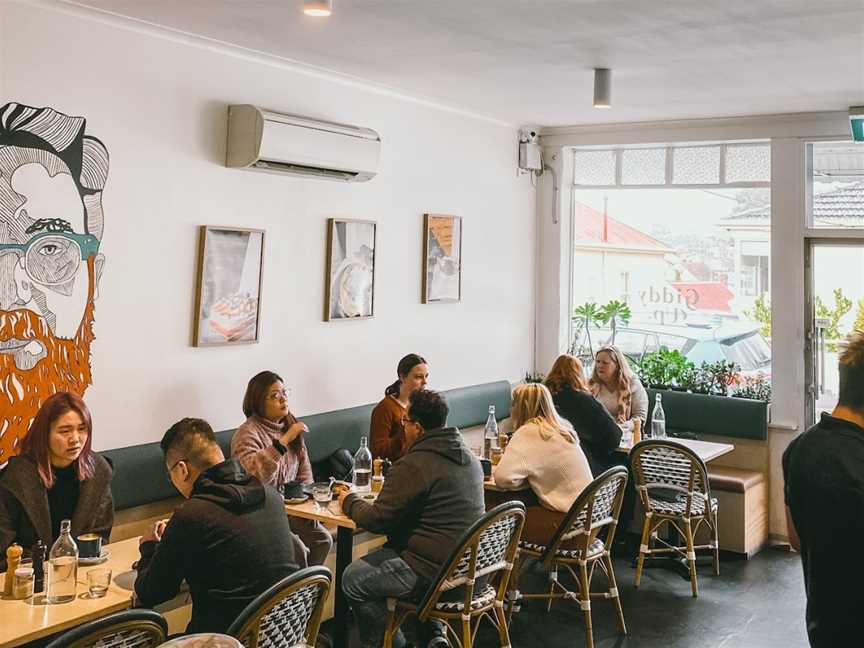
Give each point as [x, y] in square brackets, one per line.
[658, 420]
[490, 434]
[63, 566]
[363, 468]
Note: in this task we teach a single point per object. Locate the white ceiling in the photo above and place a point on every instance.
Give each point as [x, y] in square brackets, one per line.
[530, 61]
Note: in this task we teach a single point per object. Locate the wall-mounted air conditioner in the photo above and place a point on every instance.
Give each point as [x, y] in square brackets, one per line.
[270, 141]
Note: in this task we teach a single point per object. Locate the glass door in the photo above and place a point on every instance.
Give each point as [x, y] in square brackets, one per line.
[835, 306]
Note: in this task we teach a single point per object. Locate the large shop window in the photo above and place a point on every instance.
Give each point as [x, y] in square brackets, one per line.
[671, 244]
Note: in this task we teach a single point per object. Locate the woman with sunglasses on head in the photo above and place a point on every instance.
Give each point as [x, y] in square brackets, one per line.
[387, 429]
[56, 477]
[618, 388]
[270, 446]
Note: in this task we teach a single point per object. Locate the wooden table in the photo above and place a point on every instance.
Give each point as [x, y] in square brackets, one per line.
[705, 450]
[33, 618]
[345, 528]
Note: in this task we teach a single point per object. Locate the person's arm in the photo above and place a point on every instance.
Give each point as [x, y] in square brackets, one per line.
[402, 488]
[589, 417]
[794, 540]
[259, 459]
[512, 470]
[382, 444]
[161, 566]
[304, 471]
[638, 401]
[10, 514]
[103, 521]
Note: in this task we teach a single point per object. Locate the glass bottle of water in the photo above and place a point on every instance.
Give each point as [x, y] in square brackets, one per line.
[363, 468]
[658, 420]
[63, 566]
[490, 434]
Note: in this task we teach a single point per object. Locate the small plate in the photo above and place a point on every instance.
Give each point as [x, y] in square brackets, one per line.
[295, 500]
[95, 561]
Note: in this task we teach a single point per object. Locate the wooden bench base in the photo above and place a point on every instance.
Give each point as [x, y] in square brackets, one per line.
[742, 508]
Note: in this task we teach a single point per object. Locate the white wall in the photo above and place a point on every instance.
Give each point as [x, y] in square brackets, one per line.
[159, 102]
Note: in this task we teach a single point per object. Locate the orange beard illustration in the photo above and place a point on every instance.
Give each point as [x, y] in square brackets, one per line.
[66, 367]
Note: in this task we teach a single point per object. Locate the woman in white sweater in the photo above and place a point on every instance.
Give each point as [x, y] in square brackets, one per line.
[544, 456]
[618, 388]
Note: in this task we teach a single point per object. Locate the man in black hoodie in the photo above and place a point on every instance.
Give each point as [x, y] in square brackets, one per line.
[230, 540]
[432, 495]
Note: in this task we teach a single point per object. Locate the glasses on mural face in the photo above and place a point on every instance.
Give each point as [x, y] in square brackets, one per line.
[53, 258]
[282, 394]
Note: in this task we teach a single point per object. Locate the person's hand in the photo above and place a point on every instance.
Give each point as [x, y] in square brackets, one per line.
[154, 534]
[293, 432]
[341, 498]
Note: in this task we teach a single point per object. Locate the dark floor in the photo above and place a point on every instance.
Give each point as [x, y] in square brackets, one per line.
[752, 604]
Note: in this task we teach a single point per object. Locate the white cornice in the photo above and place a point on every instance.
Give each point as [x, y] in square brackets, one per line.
[82, 10]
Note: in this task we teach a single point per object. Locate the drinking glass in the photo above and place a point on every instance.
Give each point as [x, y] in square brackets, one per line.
[322, 496]
[98, 580]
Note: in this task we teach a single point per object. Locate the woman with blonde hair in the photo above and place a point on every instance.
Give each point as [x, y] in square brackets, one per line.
[597, 431]
[544, 456]
[618, 388]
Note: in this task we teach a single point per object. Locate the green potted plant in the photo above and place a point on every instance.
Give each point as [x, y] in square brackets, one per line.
[533, 377]
[664, 368]
[613, 313]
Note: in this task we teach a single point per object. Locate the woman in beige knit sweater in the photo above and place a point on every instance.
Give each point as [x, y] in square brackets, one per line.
[270, 446]
[544, 456]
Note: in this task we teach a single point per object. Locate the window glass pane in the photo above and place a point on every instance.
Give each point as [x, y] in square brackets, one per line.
[748, 163]
[837, 184]
[643, 166]
[691, 265]
[696, 165]
[594, 168]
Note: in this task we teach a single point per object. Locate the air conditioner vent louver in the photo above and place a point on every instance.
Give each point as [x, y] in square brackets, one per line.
[281, 143]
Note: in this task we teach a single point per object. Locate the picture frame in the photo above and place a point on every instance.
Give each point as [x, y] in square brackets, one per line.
[228, 286]
[442, 259]
[350, 269]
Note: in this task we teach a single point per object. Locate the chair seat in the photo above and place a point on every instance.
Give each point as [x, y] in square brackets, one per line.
[679, 505]
[595, 549]
[482, 599]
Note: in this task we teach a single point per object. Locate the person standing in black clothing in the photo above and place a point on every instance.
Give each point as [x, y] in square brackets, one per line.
[823, 471]
[230, 540]
[598, 433]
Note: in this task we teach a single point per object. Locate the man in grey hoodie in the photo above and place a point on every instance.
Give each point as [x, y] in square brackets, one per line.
[432, 495]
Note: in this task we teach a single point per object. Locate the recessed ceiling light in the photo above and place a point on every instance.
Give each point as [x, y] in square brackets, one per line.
[319, 8]
[602, 88]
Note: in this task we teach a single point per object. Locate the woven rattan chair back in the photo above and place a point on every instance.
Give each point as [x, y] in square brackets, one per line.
[488, 547]
[596, 508]
[286, 615]
[126, 629]
[673, 470]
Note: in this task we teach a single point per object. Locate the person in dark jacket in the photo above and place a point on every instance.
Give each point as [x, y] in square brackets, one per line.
[598, 433]
[432, 495]
[56, 477]
[230, 540]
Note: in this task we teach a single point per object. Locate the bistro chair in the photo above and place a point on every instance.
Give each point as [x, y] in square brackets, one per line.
[288, 614]
[586, 533]
[672, 483]
[126, 629]
[472, 583]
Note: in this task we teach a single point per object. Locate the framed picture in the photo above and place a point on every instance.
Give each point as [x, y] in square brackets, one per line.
[350, 281]
[442, 258]
[228, 287]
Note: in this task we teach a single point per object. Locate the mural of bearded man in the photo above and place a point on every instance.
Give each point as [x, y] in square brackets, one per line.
[51, 181]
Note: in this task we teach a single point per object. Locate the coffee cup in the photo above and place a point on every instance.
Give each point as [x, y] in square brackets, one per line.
[292, 489]
[89, 545]
[487, 467]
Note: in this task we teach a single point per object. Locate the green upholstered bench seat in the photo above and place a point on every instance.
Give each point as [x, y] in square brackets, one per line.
[716, 415]
[139, 471]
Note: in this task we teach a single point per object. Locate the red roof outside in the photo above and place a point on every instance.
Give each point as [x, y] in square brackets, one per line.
[709, 295]
[589, 228]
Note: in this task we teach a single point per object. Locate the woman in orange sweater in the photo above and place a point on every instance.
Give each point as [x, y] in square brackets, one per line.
[386, 431]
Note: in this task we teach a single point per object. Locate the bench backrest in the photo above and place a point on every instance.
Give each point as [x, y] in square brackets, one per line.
[139, 471]
[740, 418]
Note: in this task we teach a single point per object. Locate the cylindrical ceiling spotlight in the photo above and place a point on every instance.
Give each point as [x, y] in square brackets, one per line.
[602, 88]
[319, 8]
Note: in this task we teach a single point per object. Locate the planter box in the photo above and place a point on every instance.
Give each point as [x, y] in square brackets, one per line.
[740, 418]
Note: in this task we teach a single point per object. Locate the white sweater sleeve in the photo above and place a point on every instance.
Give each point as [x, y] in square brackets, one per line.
[512, 471]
